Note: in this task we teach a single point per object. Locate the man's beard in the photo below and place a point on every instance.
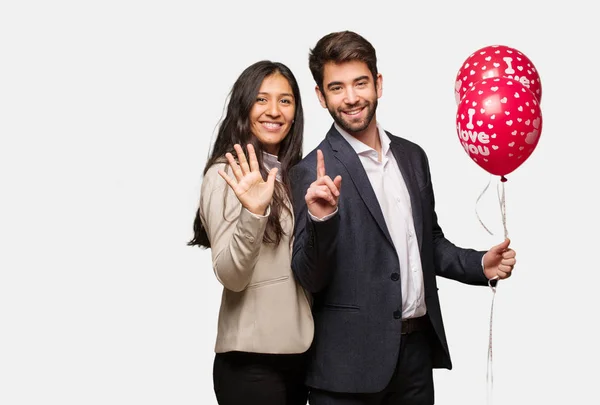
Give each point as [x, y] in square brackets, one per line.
[351, 127]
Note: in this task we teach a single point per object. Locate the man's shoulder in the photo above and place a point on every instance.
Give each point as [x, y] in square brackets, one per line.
[406, 144]
[311, 156]
[307, 165]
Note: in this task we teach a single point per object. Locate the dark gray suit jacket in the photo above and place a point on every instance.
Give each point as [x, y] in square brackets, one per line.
[347, 264]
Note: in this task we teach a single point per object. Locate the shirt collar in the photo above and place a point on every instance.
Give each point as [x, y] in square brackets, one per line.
[361, 148]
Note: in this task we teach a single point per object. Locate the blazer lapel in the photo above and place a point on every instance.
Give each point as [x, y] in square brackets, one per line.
[347, 156]
[413, 189]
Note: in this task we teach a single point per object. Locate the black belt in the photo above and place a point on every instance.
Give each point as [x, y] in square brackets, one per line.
[411, 325]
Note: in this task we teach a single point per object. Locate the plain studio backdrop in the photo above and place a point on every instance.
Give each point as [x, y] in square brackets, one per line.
[107, 110]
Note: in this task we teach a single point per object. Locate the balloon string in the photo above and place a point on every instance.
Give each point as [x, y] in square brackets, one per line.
[502, 202]
[493, 283]
[489, 372]
[477, 202]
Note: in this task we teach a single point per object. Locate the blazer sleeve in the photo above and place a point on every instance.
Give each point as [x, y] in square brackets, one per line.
[452, 262]
[235, 233]
[315, 242]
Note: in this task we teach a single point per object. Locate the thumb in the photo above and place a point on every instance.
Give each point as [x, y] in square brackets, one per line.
[501, 247]
[338, 182]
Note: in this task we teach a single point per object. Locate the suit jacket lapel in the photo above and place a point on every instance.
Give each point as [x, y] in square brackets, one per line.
[413, 189]
[347, 156]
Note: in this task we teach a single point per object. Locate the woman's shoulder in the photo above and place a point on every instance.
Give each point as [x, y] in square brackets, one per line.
[213, 170]
[212, 179]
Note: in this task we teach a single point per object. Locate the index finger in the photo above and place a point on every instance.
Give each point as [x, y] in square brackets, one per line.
[320, 164]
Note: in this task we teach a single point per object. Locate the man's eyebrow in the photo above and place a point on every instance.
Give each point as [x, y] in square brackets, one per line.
[364, 77]
[337, 83]
[333, 84]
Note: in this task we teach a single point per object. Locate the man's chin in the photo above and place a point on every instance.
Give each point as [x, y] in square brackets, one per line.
[350, 127]
[354, 128]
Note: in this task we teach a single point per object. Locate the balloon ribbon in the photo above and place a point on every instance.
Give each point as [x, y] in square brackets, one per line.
[492, 283]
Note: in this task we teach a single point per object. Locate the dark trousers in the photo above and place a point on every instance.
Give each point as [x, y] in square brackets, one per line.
[411, 383]
[260, 379]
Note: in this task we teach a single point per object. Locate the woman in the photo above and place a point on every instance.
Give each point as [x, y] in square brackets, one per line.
[246, 219]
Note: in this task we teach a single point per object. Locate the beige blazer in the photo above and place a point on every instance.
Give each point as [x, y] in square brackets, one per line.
[263, 308]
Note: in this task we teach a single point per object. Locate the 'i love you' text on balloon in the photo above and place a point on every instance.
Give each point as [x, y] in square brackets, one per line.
[499, 123]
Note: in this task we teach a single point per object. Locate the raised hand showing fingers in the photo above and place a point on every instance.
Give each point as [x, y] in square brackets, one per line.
[252, 191]
[323, 194]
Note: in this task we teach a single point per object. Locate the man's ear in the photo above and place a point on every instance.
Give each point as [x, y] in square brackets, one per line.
[379, 85]
[321, 97]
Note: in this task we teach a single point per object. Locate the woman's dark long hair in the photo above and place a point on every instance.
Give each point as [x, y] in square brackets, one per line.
[236, 129]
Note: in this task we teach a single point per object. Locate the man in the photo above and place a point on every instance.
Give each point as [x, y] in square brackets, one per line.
[369, 251]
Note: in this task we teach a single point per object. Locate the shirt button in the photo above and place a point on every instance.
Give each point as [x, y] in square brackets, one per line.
[397, 314]
[395, 277]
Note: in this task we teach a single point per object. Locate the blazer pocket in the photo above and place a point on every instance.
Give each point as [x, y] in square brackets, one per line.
[340, 307]
[265, 283]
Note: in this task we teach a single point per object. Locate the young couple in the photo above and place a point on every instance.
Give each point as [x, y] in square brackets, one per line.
[328, 262]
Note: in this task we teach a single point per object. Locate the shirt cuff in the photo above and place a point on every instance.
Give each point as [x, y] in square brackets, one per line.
[325, 218]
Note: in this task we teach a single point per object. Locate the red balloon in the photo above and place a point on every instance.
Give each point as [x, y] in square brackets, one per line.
[499, 123]
[497, 61]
